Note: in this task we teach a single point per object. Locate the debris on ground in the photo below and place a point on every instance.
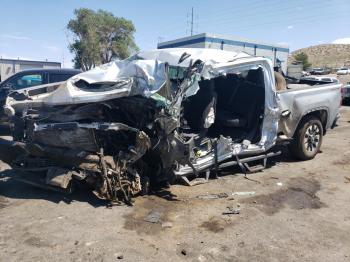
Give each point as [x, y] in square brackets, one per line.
[233, 210]
[347, 178]
[194, 182]
[167, 225]
[184, 252]
[119, 255]
[244, 193]
[213, 196]
[279, 184]
[153, 216]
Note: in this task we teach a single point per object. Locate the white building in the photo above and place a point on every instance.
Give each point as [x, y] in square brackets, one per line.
[8, 67]
[277, 53]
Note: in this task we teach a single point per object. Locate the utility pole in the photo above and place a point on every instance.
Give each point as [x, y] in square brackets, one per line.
[192, 22]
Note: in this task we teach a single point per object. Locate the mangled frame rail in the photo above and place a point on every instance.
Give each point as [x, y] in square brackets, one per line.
[112, 177]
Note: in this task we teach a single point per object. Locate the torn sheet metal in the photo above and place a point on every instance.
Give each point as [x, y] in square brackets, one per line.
[121, 125]
[142, 74]
[106, 82]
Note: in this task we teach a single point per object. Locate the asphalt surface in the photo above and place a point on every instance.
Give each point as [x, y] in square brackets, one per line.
[292, 211]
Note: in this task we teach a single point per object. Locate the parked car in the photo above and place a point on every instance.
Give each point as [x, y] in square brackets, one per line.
[343, 71]
[320, 71]
[346, 93]
[329, 79]
[32, 78]
[318, 80]
[160, 115]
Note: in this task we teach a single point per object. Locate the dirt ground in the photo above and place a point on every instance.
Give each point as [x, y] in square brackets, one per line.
[295, 211]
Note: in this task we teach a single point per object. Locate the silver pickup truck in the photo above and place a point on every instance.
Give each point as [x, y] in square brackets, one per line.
[126, 126]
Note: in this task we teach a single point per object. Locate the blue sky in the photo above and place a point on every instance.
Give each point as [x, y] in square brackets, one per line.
[36, 29]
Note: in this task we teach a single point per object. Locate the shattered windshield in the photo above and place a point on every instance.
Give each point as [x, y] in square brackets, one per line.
[167, 93]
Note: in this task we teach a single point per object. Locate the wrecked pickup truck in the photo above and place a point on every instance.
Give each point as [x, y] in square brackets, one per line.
[159, 115]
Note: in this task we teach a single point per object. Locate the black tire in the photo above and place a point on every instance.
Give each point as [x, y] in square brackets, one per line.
[307, 139]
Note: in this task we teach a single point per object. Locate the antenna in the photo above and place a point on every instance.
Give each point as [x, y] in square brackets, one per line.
[192, 21]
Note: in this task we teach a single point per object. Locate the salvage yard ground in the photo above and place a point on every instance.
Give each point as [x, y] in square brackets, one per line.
[299, 211]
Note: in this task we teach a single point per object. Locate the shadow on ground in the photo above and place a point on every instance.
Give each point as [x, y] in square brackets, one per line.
[14, 189]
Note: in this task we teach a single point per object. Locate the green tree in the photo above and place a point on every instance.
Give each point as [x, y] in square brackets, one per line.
[304, 59]
[100, 37]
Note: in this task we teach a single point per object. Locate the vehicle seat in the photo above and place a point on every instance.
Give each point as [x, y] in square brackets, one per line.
[243, 111]
[196, 107]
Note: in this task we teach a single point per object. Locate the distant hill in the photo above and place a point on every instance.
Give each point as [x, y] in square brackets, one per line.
[327, 55]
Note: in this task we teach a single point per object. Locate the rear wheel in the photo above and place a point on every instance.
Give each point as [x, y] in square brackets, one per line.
[307, 139]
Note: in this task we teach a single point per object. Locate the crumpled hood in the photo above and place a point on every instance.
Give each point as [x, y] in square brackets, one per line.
[141, 74]
[150, 74]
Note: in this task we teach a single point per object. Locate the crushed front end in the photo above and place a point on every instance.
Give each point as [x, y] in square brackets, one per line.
[115, 137]
[124, 127]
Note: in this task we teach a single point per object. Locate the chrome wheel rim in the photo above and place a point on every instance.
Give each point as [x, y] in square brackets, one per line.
[312, 138]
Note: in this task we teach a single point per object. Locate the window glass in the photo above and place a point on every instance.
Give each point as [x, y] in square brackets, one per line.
[59, 77]
[25, 81]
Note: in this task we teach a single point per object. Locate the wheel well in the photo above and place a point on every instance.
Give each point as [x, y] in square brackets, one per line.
[322, 115]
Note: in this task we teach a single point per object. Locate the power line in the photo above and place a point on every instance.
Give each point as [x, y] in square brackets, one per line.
[252, 14]
[247, 12]
[310, 18]
[236, 9]
[297, 14]
[264, 7]
[192, 23]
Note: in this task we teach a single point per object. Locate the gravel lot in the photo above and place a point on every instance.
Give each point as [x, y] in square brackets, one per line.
[300, 212]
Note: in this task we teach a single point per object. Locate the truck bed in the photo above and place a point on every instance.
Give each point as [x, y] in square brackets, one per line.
[302, 99]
